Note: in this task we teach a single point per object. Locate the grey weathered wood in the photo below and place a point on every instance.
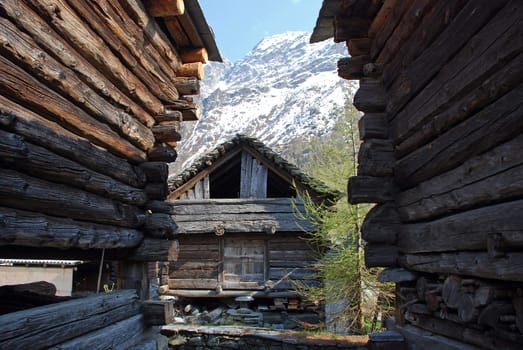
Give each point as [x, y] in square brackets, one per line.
[49, 135]
[373, 126]
[49, 40]
[479, 264]
[155, 250]
[25, 88]
[22, 47]
[120, 335]
[89, 44]
[24, 228]
[158, 312]
[40, 162]
[29, 193]
[489, 177]
[45, 326]
[371, 189]
[470, 230]
[381, 224]
[157, 190]
[160, 225]
[229, 206]
[396, 275]
[155, 171]
[381, 255]
[162, 153]
[477, 134]
[470, 19]
[166, 133]
[376, 158]
[489, 50]
[430, 340]
[352, 67]
[370, 97]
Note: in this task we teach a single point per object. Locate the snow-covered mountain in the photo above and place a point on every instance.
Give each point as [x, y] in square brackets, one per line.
[284, 90]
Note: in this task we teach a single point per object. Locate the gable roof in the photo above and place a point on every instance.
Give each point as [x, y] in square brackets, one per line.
[317, 188]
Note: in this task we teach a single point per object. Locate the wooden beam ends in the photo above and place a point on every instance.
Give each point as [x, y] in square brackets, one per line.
[193, 69]
[164, 8]
[194, 55]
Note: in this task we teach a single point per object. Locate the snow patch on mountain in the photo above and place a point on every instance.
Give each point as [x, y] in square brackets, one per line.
[283, 90]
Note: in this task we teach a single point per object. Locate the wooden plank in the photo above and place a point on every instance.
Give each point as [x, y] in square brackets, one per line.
[470, 230]
[152, 31]
[471, 18]
[381, 255]
[158, 312]
[39, 162]
[410, 20]
[22, 48]
[382, 224]
[292, 273]
[29, 91]
[381, 17]
[370, 97]
[194, 55]
[493, 125]
[491, 49]
[120, 335]
[119, 31]
[29, 193]
[164, 8]
[373, 126]
[51, 42]
[376, 158]
[193, 283]
[153, 250]
[95, 50]
[493, 176]
[478, 264]
[231, 206]
[432, 24]
[370, 189]
[25, 228]
[239, 225]
[45, 326]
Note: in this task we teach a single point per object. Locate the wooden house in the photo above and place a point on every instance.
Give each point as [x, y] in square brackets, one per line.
[442, 155]
[92, 94]
[238, 225]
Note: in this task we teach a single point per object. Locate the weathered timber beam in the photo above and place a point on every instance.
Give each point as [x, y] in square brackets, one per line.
[143, 59]
[155, 250]
[359, 46]
[160, 225]
[51, 42]
[382, 224]
[29, 193]
[229, 206]
[373, 126]
[120, 335]
[376, 158]
[351, 68]
[396, 275]
[441, 14]
[157, 190]
[507, 267]
[29, 91]
[190, 111]
[152, 31]
[89, 44]
[383, 14]
[164, 8]
[444, 47]
[192, 69]
[346, 28]
[493, 176]
[155, 171]
[40, 162]
[199, 293]
[242, 225]
[381, 255]
[410, 20]
[45, 326]
[49, 135]
[187, 85]
[169, 115]
[370, 189]
[167, 133]
[194, 55]
[17, 46]
[162, 153]
[370, 97]
[477, 134]
[30, 229]
[500, 224]
[158, 312]
[494, 51]
[428, 123]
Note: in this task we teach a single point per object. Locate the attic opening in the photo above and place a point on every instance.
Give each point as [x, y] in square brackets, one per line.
[244, 176]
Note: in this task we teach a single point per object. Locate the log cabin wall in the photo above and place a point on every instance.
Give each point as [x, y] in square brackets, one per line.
[92, 95]
[442, 154]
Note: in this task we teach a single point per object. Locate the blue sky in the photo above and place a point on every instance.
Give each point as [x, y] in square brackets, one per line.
[239, 25]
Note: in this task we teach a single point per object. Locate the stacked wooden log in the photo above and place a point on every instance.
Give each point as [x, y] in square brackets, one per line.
[441, 92]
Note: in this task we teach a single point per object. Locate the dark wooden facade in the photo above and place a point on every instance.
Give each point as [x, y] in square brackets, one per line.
[239, 233]
[92, 94]
[442, 155]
